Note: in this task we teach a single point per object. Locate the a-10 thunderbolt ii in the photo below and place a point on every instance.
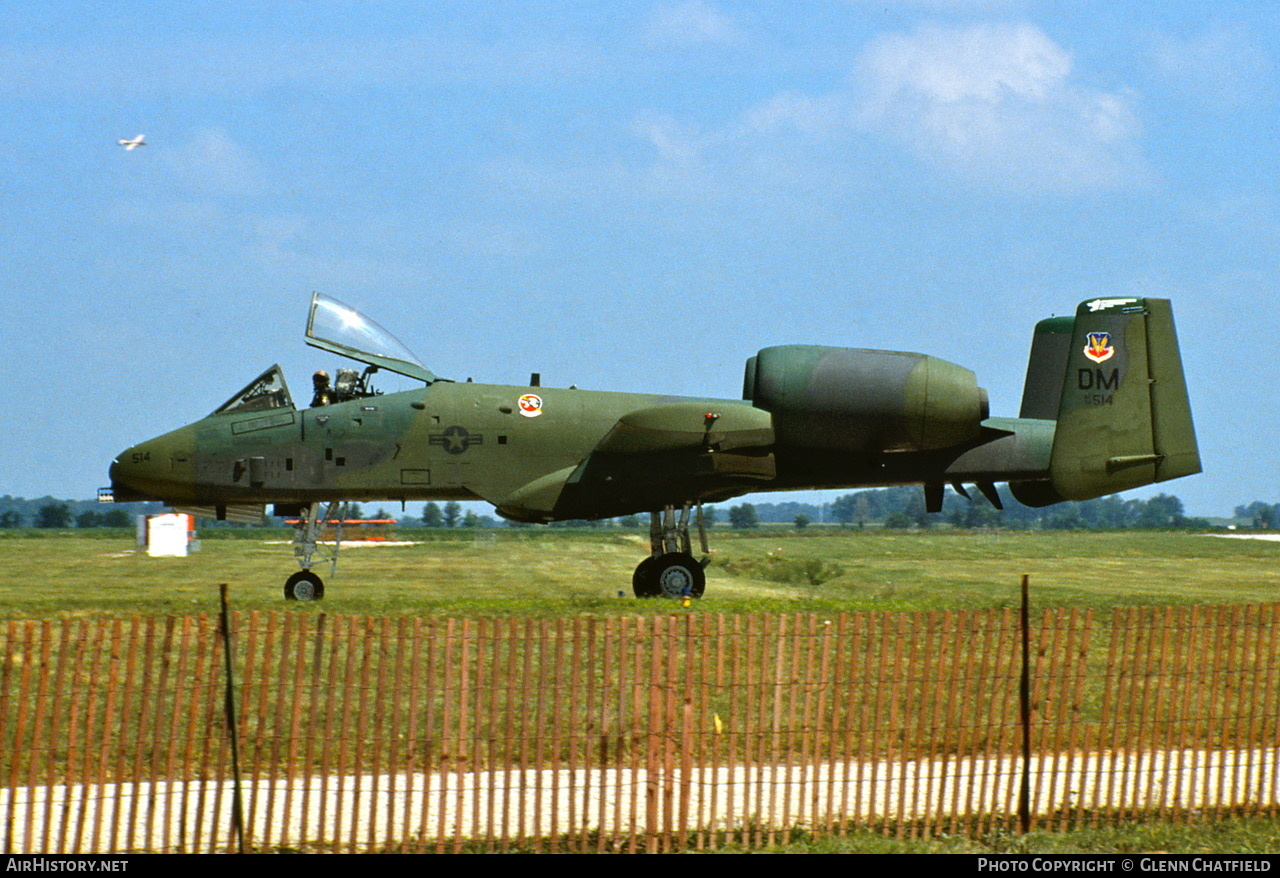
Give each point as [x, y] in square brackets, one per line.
[1104, 409]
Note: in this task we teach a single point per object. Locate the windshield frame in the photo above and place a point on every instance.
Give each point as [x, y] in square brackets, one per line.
[265, 393]
[340, 329]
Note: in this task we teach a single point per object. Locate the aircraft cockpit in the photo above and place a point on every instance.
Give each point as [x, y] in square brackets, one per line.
[349, 385]
[340, 329]
[267, 391]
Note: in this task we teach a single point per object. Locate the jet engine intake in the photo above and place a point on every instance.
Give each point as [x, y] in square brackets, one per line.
[851, 399]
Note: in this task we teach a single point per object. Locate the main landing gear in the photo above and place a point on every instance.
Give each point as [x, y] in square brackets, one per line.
[305, 585]
[671, 570]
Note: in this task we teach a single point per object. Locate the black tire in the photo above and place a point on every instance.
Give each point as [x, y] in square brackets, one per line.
[304, 586]
[643, 582]
[677, 574]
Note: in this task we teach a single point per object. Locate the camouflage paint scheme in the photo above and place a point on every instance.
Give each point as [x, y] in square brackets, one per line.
[813, 418]
[1104, 409]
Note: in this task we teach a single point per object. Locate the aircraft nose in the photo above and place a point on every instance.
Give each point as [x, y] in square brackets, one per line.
[158, 469]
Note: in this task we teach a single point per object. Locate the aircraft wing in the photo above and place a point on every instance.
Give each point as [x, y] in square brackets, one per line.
[655, 456]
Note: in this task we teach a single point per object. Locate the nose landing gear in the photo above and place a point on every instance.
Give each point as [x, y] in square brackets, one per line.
[306, 585]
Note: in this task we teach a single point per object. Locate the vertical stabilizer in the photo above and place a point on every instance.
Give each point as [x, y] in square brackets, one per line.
[1050, 350]
[1124, 419]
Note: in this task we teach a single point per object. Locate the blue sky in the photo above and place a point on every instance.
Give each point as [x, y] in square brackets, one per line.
[624, 195]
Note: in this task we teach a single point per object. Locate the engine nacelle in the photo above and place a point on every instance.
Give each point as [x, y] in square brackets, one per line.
[849, 399]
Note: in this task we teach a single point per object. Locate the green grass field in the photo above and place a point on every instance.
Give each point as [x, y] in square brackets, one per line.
[547, 572]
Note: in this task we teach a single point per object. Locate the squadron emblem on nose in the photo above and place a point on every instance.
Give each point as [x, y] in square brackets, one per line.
[530, 405]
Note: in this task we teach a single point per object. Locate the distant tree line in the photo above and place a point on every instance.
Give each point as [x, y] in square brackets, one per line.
[1259, 514]
[901, 507]
[453, 516]
[50, 513]
[904, 507]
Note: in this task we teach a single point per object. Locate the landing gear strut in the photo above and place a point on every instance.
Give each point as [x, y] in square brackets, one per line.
[671, 570]
[306, 585]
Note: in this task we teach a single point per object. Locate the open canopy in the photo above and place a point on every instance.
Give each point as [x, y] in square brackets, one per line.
[341, 329]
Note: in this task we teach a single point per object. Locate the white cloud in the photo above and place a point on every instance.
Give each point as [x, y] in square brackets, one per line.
[997, 103]
[986, 63]
[693, 23]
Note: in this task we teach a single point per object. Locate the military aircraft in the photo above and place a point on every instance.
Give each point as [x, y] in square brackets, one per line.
[129, 145]
[1104, 409]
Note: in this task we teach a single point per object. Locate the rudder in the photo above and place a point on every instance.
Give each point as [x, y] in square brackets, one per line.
[1124, 418]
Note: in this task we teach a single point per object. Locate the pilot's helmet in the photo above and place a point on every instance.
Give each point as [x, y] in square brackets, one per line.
[321, 378]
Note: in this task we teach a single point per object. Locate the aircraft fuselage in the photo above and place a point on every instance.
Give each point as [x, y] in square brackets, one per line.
[469, 441]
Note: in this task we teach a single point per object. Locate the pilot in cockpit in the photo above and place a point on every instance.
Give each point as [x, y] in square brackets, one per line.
[323, 393]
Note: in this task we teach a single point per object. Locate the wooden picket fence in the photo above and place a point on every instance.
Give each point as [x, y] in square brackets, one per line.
[628, 734]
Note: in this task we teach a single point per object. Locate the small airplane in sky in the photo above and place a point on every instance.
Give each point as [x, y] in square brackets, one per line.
[1104, 409]
[140, 140]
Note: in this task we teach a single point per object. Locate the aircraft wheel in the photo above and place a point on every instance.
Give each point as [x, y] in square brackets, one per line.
[643, 582]
[677, 574]
[304, 586]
